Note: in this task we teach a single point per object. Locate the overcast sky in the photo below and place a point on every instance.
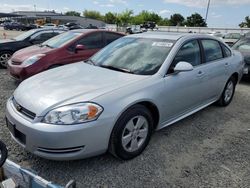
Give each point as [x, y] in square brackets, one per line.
[223, 13]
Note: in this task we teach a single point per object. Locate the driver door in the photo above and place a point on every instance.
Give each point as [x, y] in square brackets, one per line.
[184, 90]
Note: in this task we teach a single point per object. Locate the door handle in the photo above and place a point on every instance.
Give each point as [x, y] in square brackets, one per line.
[226, 64]
[200, 73]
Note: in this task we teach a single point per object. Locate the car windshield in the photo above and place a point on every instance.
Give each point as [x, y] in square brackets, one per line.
[143, 56]
[62, 39]
[242, 45]
[25, 35]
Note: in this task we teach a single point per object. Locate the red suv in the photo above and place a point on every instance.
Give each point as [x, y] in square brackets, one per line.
[69, 47]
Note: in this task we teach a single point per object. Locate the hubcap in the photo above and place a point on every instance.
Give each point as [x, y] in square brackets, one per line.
[135, 133]
[4, 58]
[229, 91]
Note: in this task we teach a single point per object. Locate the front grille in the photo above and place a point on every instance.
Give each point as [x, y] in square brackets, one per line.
[23, 110]
[16, 133]
[60, 151]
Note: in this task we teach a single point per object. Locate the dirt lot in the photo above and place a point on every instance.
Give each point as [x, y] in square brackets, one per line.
[209, 149]
[9, 34]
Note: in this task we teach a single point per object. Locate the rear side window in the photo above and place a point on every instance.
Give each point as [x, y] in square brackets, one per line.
[227, 52]
[110, 37]
[212, 50]
[92, 41]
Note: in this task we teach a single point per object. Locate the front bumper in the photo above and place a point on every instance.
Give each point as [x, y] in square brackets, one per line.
[58, 142]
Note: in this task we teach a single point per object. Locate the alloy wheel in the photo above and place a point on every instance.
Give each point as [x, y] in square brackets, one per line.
[135, 133]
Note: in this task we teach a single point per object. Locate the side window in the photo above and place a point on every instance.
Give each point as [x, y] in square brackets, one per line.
[227, 52]
[44, 36]
[212, 50]
[110, 37]
[189, 52]
[92, 41]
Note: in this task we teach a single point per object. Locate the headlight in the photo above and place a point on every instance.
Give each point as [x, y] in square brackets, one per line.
[73, 114]
[32, 60]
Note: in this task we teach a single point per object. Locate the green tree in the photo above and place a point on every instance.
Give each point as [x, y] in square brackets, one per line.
[195, 20]
[110, 18]
[164, 22]
[125, 17]
[145, 16]
[92, 14]
[72, 13]
[246, 23]
[176, 20]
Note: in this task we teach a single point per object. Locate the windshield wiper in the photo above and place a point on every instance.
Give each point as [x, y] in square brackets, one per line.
[117, 69]
[89, 61]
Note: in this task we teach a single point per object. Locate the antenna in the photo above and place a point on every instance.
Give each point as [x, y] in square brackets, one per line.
[208, 5]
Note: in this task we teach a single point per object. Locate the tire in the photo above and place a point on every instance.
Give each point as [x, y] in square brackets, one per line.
[3, 153]
[4, 57]
[228, 92]
[129, 138]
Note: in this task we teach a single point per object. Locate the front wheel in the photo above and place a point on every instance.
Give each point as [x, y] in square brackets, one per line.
[228, 92]
[131, 133]
[4, 57]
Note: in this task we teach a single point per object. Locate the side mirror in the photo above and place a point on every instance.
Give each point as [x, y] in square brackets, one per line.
[79, 47]
[183, 66]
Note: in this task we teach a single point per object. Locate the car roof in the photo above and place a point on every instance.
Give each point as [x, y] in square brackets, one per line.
[169, 35]
[91, 30]
[49, 29]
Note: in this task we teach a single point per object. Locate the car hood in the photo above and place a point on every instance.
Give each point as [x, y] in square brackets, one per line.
[25, 53]
[69, 84]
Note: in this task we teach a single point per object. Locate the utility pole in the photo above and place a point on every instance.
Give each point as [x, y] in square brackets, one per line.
[208, 5]
[35, 8]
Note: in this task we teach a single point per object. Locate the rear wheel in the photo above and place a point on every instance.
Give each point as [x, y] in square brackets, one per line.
[4, 57]
[131, 133]
[228, 92]
[3, 153]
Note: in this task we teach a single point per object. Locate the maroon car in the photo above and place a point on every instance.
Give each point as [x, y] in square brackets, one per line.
[69, 47]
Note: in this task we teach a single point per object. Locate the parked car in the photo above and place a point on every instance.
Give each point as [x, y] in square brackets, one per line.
[115, 101]
[134, 29]
[231, 38]
[72, 26]
[35, 36]
[15, 26]
[49, 25]
[69, 47]
[243, 45]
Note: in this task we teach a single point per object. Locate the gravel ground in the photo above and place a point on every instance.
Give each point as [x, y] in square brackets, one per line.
[9, 34]
[208, 149]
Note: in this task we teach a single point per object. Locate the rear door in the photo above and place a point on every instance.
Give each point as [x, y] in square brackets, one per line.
[216, 66]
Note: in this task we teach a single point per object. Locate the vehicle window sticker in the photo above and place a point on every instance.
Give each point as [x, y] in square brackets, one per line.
[162, 44]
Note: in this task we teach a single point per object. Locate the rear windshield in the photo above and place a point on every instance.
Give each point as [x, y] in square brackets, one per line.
[242, 45]
[61, 40]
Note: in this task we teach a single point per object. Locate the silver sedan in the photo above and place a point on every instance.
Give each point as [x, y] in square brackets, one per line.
[115, 100]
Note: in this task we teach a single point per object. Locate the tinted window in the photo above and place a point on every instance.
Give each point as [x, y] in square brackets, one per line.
[110, 37]
[189, 52]
[92, 41]
[44, 36]
[212, 50]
